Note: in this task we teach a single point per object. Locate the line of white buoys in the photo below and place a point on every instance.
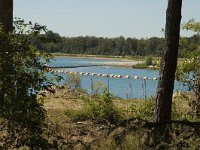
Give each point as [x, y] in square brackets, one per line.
[105, 75]
[81, 73]
[111, 75]
[145, 78]
[127, 77]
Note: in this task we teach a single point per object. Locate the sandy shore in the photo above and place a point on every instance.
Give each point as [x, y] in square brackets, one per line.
[117, 61]
[127, 63]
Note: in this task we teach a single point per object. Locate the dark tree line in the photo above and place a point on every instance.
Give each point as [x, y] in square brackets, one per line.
[119, 46]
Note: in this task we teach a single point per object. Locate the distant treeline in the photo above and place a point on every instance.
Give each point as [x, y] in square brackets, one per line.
[119, 46]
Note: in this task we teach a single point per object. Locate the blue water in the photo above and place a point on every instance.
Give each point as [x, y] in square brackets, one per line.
[125, 88]
[76, 61]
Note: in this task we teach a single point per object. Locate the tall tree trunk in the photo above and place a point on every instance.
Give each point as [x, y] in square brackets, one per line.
[6, 15]
[168, 62]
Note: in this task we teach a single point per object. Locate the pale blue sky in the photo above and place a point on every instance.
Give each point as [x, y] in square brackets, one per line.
[103, 18]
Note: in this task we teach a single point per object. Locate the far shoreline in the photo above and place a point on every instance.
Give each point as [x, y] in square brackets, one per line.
[125, 61]
[140, 58]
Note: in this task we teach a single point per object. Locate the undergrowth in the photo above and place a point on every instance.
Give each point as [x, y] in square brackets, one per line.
[100, 107]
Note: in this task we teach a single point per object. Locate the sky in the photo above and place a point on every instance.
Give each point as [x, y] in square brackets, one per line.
[103, 18]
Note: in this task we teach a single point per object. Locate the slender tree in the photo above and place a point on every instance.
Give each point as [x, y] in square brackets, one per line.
[6, 15]
[168, 62]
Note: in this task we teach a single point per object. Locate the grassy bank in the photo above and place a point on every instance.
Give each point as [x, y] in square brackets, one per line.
[76, 120]
[133, 130]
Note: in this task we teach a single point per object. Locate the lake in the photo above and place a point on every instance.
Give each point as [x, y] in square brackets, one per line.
[125, 88]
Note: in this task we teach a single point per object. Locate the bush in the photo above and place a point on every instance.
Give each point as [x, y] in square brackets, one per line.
[100, 107]
[22, 77]
[148, 61]
[143, 110]
[146, 110]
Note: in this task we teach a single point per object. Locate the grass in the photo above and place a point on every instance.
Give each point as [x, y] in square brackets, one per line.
[67, 102]
[68, 129]
[130, 133]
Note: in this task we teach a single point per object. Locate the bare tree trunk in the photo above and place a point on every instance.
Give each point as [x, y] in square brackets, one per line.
[6, 15]
[168, 62]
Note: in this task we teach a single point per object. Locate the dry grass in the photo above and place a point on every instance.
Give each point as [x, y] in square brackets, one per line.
[89, 134]
[66, 101]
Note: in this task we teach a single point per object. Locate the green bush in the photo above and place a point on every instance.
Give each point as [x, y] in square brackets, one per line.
[22, 77]
[146, 110]
[148, 61]
[100, 107]
[143, 110]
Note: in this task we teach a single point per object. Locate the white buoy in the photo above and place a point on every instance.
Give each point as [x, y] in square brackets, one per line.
[127, 77]
[145, 78]
[111, 75]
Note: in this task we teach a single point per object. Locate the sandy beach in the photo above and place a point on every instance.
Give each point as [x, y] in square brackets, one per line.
[122, 62]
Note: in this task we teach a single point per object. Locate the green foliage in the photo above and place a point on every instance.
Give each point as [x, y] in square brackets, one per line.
[189, 72]
[100, 107]
[22, 77]
[190, 68]
[191, 44]
[143, 110]
[118, 46]
[192, 25]
[148, 61]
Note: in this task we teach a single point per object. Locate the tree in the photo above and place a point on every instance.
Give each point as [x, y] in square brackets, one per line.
[192, 25]
[20, 106]
[6, 15]
[190, 68]
[168, 62]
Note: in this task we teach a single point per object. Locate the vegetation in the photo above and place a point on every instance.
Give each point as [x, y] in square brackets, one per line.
[22, 77]
[100, 106]
[70, 119]
[189, 70]
[119, 46]
[148, 61]
[75, 120]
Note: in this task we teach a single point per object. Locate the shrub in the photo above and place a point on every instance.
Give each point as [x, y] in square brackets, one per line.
[22, 77]
[148, 61]
[100, 107]
[143, 110]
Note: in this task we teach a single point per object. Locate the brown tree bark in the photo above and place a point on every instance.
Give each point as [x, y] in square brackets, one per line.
[6, 15]
[168, 62]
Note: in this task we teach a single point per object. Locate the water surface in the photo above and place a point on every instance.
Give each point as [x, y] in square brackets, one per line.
[125, 88]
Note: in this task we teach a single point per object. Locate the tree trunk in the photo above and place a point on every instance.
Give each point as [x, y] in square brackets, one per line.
[6, 15]
[168, 62]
